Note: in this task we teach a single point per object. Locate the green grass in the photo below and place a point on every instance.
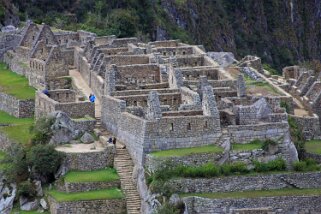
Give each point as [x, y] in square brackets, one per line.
[113, 193]
[18, 129]
[6, 118]
[17, 210]
[257, 193]
[104, 175]
[261, 84]
[18, 133]
[313, 146]
[14, 84]
[246, 147]
[188, 151]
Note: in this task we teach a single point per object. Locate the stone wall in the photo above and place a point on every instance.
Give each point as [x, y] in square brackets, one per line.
[8, 41]
[278, 205]
[308, 180]
[44, 105]
[86, 186]
[15, 107]
[84, 207]
[126, 59]
[247, 133]
[90, 160]
[153, 163]
[309, 125]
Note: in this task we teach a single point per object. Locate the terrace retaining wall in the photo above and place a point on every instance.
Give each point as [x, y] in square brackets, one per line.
[15, 107]
[85, 207]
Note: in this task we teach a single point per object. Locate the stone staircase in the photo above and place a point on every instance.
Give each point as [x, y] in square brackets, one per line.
[124, 166]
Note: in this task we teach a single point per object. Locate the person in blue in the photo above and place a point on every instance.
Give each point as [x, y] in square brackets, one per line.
[46, 92]
[92, 98]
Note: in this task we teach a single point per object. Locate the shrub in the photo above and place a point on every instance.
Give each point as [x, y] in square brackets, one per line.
[239, 168]
[42, 131]
[273, 165]
[16, 158]
[27, 189]
[45, 161]
[306, 165]
[168, 208]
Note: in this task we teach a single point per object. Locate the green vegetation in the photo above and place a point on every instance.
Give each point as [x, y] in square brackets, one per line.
[313, 146]
[188, 151]
[306, 165]
[262, 85]
[14, 84]
[104, 175]
[42, 132]
[168, 208]
[17, 210]
[273, 165]
[17, 125]
[297, 137]
[255, 144]
[157, 180]
[6, 118]
[113, 193]
[258, 193]
[271, 70]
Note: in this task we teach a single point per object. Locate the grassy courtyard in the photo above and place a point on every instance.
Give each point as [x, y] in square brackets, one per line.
[188, 151]
[113, 193]
[262, 87]
[313, 146]
[14, 84]
[18, 129]
[257, 193]
[105, 175]
[246, 147]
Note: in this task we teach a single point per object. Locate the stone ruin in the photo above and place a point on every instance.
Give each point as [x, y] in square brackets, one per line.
[161, 95]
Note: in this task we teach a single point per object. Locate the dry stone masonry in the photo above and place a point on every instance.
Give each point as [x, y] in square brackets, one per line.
[158, 96]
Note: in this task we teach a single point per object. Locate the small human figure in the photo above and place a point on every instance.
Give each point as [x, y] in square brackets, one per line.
[92, 98]
[46, 92]
[114, 141]
[110, 140]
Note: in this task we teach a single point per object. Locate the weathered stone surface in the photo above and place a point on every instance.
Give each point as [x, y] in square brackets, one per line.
[278, 205]
[44, 204]
[30, 205]
[246, 183]
[224, 59]
[87, 138]
[84, 207]
[6, 203]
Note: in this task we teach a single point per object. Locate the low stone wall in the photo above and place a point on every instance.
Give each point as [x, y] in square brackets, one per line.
[247, 133]
[153, 163]
[15, 107]
[278, 205]
[309, 125]
[88, 186]
[244, 183]
[85, 207]
[92, 160]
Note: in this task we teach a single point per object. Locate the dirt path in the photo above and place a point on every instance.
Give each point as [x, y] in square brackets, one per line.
[85, 89]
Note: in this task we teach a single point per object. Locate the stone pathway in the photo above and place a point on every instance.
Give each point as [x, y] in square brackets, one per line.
[85, 89]
[124, 166]
[122, 162]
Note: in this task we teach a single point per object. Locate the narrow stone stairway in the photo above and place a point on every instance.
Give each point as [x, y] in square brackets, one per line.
[124, 166]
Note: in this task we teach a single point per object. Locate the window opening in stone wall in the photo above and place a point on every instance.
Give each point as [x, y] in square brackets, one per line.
[184, 52]
[174, 53]
[171, 126]
[47, 41]
[164, 53]
[189, 126]
[205, 125]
